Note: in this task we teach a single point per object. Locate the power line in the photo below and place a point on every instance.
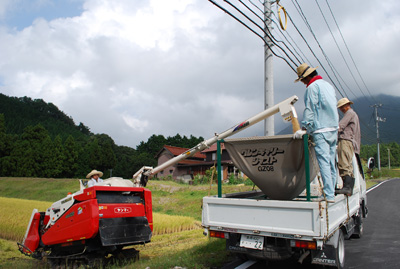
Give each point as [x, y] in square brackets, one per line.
[337, 45]
[348, 50]
[302, 15]
[253, 31]
[262, 29]
[269, 31]
[312, 52]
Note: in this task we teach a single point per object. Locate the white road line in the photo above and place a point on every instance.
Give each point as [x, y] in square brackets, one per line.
[245, 265]
[376, 186]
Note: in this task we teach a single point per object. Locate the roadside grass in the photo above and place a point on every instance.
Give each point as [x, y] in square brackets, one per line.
[385, 173]
[39, 189]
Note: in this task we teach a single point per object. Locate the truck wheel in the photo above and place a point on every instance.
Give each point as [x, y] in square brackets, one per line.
[340, 251]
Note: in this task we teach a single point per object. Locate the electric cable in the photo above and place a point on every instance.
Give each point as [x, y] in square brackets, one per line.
[284, 35]
[348, 50]
[269, 32]
[340, 51]
[292, 41]
[268, 35]
[253, 31]
[315, 56]
[301, 13]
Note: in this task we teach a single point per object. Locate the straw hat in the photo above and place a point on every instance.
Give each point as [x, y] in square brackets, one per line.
[303, 71]
[343, 101]
[94, 172]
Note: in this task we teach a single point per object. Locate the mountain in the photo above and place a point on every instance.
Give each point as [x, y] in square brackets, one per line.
[389, 130]
[39, 140]
[24, 111]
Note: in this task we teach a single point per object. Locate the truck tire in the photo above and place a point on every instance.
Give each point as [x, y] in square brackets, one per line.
[339, 250]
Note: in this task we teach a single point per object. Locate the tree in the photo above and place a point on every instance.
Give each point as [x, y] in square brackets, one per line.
[153, 145]
[125, 158]
[3, 137]
[32, 152]
[58, 158]
[70, 157]
[106, 157]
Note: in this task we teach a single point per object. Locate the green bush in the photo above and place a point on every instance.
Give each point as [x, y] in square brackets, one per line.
[164, 178]
[248, 182]
[206, 178]
[234, 180]
[201, 179]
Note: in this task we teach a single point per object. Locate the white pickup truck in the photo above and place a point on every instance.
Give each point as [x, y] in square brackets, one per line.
[288, 218]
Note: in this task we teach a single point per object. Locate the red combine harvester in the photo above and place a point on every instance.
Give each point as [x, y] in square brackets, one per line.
[91, 224]
[102, 221]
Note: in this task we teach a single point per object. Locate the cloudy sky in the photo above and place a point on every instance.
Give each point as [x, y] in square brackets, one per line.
[131, 69]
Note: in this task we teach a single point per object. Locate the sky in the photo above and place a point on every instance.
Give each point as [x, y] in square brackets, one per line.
[131, 69]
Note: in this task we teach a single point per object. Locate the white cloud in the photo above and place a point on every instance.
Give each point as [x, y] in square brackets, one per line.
[136, 68]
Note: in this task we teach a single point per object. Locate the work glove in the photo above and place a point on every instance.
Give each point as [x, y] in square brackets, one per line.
[299, 134]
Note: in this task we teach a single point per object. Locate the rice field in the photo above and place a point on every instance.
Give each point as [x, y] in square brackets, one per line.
[15, 214]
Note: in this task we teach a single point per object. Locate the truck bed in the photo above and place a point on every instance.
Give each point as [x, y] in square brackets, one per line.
[252, 213]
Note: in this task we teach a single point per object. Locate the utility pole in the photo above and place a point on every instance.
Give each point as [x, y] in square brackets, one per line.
[269, 129]
[377, 120]
[389, 157]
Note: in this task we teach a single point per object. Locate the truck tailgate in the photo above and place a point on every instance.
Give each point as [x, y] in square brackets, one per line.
[278, 218]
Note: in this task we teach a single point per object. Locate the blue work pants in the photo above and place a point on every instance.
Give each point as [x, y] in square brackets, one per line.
[325, 150]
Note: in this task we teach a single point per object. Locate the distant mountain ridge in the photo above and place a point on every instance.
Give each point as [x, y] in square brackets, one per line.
[39, 140]
[24, 111]
[389, 130]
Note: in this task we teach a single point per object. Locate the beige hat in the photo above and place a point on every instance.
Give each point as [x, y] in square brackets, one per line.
[343, 101]
[94, 172]
[303, 71]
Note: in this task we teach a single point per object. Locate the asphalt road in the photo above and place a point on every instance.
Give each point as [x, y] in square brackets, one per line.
[379, 247]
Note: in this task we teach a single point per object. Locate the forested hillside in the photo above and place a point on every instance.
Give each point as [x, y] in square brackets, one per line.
[23, 112]
[389, 130]
[39, 140]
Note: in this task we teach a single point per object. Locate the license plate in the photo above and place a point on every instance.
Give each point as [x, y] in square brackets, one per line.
[252, 241]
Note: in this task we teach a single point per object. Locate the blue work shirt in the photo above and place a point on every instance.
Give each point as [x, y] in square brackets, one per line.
[320, 102]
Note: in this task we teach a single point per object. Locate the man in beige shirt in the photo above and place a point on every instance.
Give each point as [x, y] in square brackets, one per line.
[349, 140]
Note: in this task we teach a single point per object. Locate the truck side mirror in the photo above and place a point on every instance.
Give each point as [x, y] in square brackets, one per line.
[371, 163]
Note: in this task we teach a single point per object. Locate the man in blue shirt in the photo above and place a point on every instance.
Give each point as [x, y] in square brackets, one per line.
[321, 121]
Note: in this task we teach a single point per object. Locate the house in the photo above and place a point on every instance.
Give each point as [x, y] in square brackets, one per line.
[226, 163]
[185, 168]
[196, 164]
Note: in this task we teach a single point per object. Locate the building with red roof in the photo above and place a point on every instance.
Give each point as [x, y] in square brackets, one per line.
[199, 163]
